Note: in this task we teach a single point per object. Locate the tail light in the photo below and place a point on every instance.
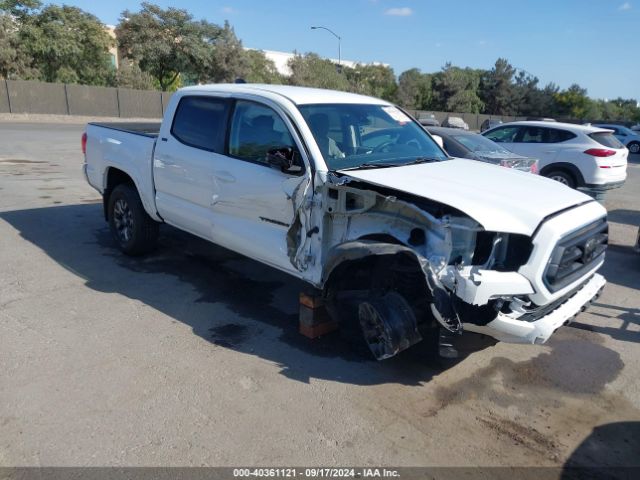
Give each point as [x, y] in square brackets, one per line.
[534, 168]
[84, 143]
[600, 152]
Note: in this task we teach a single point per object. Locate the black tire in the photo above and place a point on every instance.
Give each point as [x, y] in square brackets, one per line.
[132, 228]
[634, 147]
[562, 177]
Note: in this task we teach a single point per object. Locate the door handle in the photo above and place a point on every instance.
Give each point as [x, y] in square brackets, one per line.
[224, 176]
[549, 151]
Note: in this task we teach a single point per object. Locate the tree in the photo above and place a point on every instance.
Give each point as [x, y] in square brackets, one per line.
[456, 89]
[312, 71]
[375, 80]
[15, 62]
[260, 68]
[66, 44]
[167, 43]
[19, 9]
[228, 61]
[414, 89]
[526, 96]
[129, 75]
[573, 102]
[497, 89]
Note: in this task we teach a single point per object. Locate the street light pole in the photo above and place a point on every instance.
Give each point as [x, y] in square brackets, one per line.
[339, 42]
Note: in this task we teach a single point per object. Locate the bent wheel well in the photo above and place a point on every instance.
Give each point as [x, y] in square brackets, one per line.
[354, 280]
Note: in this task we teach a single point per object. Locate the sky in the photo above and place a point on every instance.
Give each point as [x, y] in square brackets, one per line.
[594, 43]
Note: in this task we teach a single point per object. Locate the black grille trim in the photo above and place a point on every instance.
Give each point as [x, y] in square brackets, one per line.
[575, 254]
[536, 312]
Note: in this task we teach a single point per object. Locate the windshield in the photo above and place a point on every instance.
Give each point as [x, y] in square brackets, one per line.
[355, 135]
[478, 143]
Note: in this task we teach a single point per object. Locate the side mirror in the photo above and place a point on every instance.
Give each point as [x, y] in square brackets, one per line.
[284, 158]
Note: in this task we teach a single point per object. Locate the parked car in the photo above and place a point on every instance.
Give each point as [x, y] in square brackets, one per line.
[455, 122]
[575, 155]
[464, 144]
[489, 123]
[540, 119]
[395, 237]
[627, 137]
[428, 120]
[636, 128]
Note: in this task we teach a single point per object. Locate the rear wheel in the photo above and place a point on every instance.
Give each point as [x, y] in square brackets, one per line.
[634, 147]
[133, 229]
[562, 177]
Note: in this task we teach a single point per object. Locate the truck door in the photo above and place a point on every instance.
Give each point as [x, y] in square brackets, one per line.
[254, 203]
[184, 159]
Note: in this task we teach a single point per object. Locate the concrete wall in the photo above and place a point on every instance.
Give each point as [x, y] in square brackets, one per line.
[92, 101]
[4, 99]
[140, 103]
[21, 96]
[37, 97]
[474, 120]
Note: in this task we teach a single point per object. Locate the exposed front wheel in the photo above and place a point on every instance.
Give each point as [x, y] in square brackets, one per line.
[634, 147]
[133, 229]
[562, 177]
[388, 325]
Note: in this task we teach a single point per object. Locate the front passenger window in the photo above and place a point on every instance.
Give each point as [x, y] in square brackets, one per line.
[256, 129]
[503, 135]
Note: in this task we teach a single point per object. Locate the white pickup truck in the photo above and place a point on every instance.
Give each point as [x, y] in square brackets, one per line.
[353, 196]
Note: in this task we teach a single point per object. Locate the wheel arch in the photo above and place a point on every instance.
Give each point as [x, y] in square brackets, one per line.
[113, 177]
[566, 167]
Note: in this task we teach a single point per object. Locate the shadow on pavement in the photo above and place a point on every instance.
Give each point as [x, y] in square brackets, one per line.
[610, 451]
[628, 316]
[625, 216]
[262, 301]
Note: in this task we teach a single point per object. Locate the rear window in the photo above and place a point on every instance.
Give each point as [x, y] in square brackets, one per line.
[200, 122]
[606, 139]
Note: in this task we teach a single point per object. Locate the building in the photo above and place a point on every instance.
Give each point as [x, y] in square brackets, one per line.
[281, 60]
[113, 50]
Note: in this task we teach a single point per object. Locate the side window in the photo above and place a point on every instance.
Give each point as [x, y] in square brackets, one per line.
[554, 135]
[533, 135]
[256, 129]
[200, 122]
[503, 134]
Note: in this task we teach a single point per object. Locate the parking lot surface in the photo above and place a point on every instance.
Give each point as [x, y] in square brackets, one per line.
[191, 356]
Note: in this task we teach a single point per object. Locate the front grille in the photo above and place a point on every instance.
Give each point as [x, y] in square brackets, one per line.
[575, 254]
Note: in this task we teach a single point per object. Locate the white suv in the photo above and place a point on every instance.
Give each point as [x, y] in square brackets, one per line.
[576, 155]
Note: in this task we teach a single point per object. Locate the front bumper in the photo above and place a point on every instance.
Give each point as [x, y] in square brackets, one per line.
[511, 330]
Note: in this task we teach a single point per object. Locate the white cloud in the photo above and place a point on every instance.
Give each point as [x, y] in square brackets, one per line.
[229, 10]
[399, 12]
[625, 6]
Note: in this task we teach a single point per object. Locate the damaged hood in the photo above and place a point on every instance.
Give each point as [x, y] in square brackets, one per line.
[500, 199]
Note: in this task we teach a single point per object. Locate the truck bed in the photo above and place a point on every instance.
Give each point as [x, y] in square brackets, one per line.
[147, 129]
